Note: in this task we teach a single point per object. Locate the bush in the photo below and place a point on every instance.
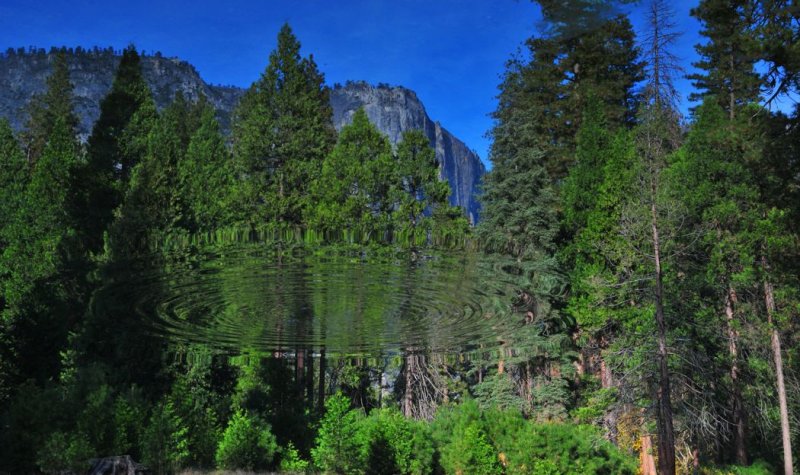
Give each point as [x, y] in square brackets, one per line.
[471, 452]
[291, 461]
[759, 467]
[392, 443]
[478, 441]
[247, 443]
[338, 444]
[565, 449]
[64, 451]
[164, 445]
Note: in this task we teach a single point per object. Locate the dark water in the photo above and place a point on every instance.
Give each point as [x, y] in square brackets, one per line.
[352, 301]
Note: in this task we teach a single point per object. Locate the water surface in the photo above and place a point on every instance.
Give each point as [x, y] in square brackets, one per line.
[273, 298]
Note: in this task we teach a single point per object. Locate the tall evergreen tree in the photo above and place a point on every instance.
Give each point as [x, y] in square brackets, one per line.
[207, 184]
[14, 176]
[41, 268]
[421, 190]
[116, 145]
[47, 108]
[282, 132]
[542, 100]
[729, 56]
[151, 207]
[717, 189]
[352, 186]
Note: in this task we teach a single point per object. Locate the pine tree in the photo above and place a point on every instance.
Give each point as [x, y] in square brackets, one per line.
[41, 235]
[42, 271]
[13, 178]
[542, 100]
[47, 108]
[713, 180]
[357, 180]
[117, 143]
[151, 208]
[421, 191]
[729, 56]
[282, 132]
[207, 183]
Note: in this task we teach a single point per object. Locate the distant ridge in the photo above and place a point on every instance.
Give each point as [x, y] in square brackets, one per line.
[393, 109]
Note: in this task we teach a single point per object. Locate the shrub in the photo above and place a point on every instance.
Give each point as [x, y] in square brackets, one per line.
[392, 443]
[471, 452]
[565, 449]
[247, 443]
[291, 461]
[164, 442]
[65, 451]
[476, 441]
[338, 444]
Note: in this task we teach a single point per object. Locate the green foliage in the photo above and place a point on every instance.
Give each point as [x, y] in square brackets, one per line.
[152, 208]
[518, 208]
[357, 180]
[115, 146]
[501, 441]
[65, 451]
[247, 443]
[165, 446]
[759, 467]
[392, 443]
[728, 57]
[282, 131]
[498, 391]
[291, 462]
[206, 179]
[568, 449]
[470, 452]
[41, 237]
[47, 108]
[337, 447]
[13, 178]
[364, 186]
[194, 404]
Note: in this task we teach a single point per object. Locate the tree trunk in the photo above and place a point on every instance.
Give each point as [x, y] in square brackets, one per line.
[769, 298]
[321, 390]
[408, 396]
[737, 409]
[299, 371]
[310, 379]
[647, 466]
[666, 435]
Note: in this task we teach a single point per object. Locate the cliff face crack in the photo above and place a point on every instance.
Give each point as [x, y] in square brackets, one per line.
[392, 109]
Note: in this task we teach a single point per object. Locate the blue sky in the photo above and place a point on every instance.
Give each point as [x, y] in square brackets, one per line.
[451, 52]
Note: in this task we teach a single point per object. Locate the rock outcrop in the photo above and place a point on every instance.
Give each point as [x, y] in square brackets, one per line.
[397, 109]
[119, 465]
[392, 109]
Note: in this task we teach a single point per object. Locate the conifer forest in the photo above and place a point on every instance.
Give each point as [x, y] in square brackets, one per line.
[274, 295]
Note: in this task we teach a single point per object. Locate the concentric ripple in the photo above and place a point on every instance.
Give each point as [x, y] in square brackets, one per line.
[348, 303]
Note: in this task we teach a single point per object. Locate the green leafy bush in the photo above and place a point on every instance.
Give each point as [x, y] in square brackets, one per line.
[291, 462]
[338, 444]
[392, 443]
[476, 441]
[564, 449]
[65, 451]
[247, 443]
[164, 444]
[471, 452]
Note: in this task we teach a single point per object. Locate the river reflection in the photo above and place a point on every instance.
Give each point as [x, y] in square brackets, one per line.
[349, 301]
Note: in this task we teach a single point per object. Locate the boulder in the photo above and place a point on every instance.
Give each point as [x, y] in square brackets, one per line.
[119, 465]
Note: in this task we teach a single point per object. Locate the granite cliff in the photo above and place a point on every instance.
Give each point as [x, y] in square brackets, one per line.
[392, 109]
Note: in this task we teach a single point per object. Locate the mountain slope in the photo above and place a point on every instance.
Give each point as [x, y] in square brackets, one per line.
[392, 109]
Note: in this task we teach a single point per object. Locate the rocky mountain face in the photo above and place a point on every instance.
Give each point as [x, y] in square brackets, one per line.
[397, 109]
[392, 109]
